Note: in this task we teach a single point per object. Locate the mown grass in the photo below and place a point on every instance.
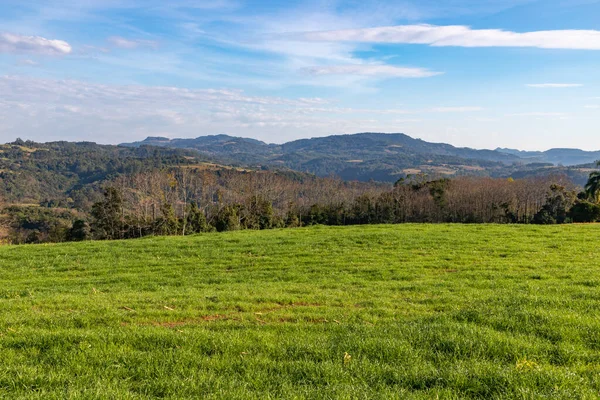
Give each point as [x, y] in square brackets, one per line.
[407, 311]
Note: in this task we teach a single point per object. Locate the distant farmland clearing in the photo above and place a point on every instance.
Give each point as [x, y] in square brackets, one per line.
[402, 311]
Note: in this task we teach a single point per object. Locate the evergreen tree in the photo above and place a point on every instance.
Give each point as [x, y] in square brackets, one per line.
[108, 219]
[79, 232]
[196, 220]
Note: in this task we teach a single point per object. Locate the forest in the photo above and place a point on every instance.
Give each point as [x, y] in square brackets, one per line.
[76, 192]
[187, 200]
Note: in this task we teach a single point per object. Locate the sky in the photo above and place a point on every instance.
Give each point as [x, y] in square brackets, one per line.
[478, 73]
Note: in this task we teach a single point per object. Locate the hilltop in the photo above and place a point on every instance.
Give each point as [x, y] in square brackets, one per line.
[71, 172]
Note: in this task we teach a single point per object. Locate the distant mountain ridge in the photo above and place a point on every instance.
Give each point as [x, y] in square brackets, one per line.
[359, 142]
[365, 156]
[565, 157]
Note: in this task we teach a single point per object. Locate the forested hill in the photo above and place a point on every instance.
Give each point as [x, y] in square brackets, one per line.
[63, 191]
[381, 143]
[65, 172]
[364, 156]
[339, 145]
[72, 174]
[382, 157]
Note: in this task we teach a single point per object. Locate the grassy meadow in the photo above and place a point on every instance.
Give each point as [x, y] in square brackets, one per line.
[405, 311]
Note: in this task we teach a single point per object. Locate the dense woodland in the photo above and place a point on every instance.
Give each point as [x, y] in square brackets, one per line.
[73, 192]
[183, 201]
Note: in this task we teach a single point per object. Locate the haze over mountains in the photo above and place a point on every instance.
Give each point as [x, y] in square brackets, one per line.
[378, 156]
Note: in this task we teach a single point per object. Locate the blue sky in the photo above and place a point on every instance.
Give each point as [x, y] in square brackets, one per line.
[504, 73]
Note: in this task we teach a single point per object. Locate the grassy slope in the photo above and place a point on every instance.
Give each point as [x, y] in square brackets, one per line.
[423, 311]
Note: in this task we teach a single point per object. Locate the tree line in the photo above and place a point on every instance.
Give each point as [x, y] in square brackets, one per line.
[188, 200]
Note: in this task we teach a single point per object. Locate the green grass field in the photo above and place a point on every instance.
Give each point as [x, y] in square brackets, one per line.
[406, 311]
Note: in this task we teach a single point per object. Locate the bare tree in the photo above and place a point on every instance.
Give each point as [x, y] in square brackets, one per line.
[184, 178]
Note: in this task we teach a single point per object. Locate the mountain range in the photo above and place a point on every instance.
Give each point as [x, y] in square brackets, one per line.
[380, 156]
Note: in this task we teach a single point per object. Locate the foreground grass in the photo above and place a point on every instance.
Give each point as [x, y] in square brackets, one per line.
[409, 311]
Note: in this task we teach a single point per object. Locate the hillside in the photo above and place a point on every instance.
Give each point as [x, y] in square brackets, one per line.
[417, 311]
[377, 156]
[365, 156]
[69, 173]
[223, 147]
[362, 144]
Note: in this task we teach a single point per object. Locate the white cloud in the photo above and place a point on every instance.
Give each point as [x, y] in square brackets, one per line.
[554, 85]
[372, 111]
[11, 43]
[593, 106]
[27, 63]
[110, 113]
[115, 113]
[372, 70]
[407, 121]
[539, 114]
[123, 43]
[205, 4]
[456, 109]
[289, 60]
[462, 36]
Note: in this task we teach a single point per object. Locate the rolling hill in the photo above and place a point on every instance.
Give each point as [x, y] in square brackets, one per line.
[365, 156]
[379, 156]
[67, 172]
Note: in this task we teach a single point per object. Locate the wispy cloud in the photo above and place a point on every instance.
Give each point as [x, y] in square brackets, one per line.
[12, 43]
[554, 85]
[456, 109]
[389, 111]
[539, 114]
[207, 4]
[113, 113]
[462, 36]
[28, 63]
[292, 60]
[593, 106]
[372, 70]
[123, 43]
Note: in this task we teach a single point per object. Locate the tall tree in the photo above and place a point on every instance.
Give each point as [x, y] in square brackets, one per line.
[592, 188]
[108, 215]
